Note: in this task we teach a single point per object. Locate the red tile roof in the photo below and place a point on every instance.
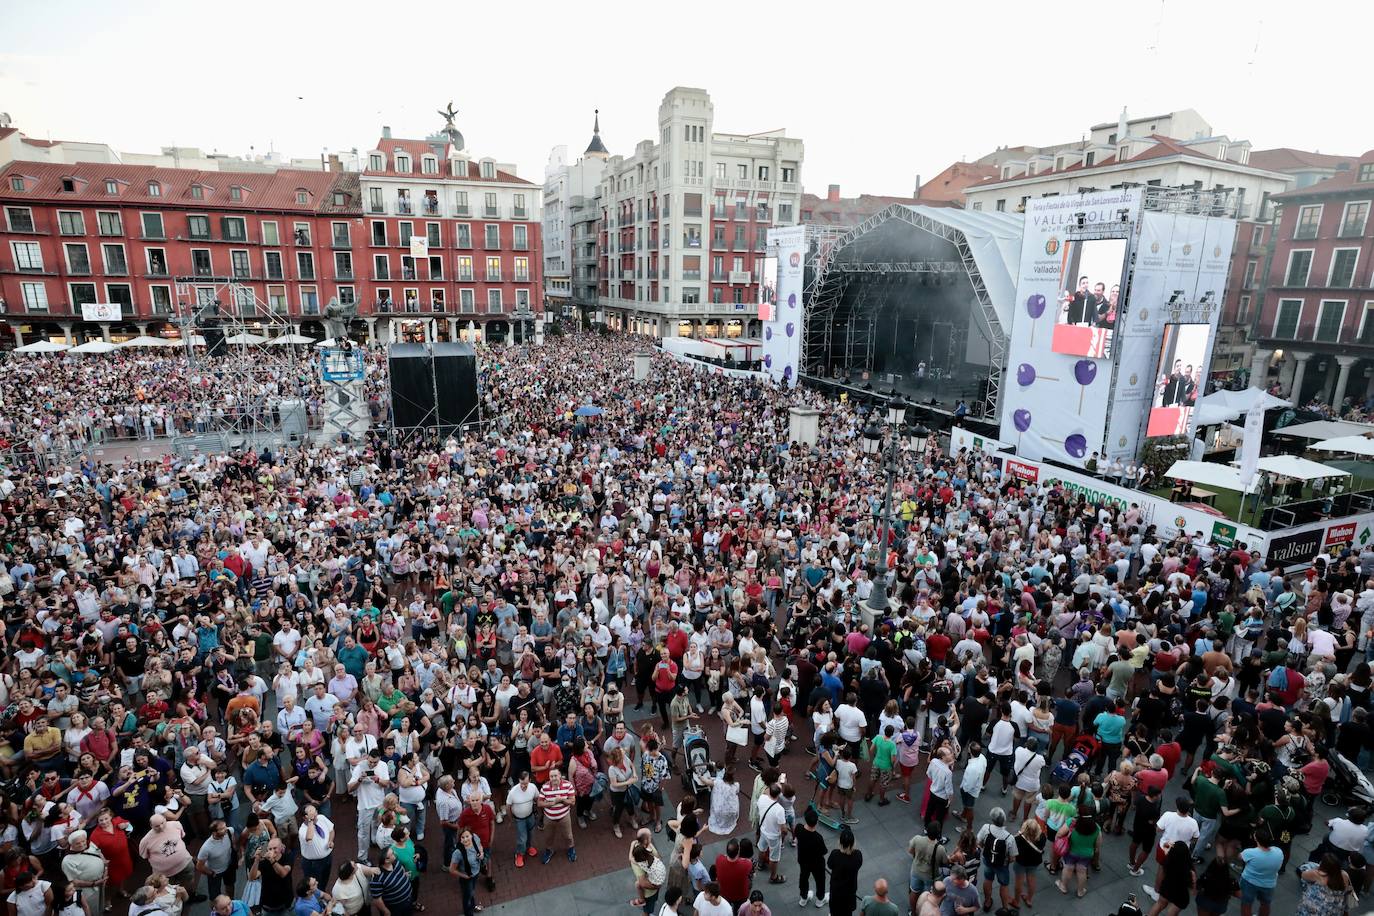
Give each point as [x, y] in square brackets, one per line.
[417, 149]
[260, 190]
[1285, 158]
[1345, 181]
[1163, 147]
[6, 131]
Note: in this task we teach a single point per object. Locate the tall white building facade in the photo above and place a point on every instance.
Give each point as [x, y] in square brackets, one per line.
[570, 190]
[685, 219]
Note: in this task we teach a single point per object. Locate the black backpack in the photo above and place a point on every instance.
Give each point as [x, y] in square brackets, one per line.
[994, 850]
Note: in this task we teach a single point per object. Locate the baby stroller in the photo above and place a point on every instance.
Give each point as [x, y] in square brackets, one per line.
[697, 772]
[1081, 753]
[1346, 784]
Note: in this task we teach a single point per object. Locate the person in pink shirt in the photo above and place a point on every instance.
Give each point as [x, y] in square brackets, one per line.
[164, 847]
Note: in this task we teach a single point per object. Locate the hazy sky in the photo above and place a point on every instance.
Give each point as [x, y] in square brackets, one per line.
[879, 92]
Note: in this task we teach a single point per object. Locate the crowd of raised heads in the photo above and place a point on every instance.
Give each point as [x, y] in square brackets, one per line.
[349, 678]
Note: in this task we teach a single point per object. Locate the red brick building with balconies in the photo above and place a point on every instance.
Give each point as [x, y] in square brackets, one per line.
[155, 239]
[1314, 326]
[479, 268]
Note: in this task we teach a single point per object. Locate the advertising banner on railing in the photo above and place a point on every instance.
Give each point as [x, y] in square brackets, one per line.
[782, 333]
[1167, 517]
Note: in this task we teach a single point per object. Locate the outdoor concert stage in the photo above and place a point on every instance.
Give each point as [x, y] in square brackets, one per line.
[915, 299]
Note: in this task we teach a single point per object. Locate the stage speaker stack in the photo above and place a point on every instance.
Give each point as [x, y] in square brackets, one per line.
[214, 340]
[433, 386]
[294, 423]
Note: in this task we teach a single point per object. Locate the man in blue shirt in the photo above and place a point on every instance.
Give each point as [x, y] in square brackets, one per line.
[262, 776]
[1111, 731]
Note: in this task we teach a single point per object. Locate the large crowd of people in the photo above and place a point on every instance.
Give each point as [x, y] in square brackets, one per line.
[277, 682]
[62, 403]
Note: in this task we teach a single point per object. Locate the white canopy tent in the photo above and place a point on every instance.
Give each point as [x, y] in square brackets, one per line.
[1355, 445]
[41, 346]
[245, 338]
[94, 346]
[1298, 468]
[286, 340]
[145, 340]
[1326, 429]
[1225, 406]
[1207, 473]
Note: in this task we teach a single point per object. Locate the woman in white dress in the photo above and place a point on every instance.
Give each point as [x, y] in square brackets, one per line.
[724, 804]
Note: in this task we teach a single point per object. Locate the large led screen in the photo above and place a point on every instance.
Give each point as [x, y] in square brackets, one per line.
[1089, 298]
[768, 290]
[1179, 379]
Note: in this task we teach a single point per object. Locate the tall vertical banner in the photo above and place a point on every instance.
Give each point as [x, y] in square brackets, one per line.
[782, 332]
[1069, 312]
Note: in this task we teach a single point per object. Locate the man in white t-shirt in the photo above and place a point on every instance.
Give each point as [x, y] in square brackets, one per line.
[522, 798]
[772, 825]
[1176, 826]
[369, 782]
[850, 722]
[710, 903]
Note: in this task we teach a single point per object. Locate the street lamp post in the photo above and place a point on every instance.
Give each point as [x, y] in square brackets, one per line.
[876, 607]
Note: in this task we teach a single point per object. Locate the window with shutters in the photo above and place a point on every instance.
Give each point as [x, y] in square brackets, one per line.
[1343, 264]
[70, 222]
[1287, 318]
[1299, 266]
[1329, 320]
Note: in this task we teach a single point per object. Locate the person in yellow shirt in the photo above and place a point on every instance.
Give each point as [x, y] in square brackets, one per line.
[43, 745]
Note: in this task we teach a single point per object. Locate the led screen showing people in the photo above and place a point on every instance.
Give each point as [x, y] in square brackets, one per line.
[1090, 297]
[1179, 379]
[768, 290]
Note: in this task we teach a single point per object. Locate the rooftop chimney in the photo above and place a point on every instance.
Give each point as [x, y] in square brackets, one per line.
[386, 132]
[917, 193]
[833, 194]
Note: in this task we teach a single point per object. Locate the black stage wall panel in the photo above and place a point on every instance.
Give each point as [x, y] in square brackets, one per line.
[412, 385]
[455, 380]
[433, 385]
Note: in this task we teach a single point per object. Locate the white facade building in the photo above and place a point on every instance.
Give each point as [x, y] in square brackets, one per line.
[1174, 150]
[685, 221]
[567, 186]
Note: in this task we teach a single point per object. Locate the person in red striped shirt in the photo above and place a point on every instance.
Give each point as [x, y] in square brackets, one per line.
[556, 800]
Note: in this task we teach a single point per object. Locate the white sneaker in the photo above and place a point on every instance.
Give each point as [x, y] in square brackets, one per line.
[804, 901]
[823, 902]
[1150, 891]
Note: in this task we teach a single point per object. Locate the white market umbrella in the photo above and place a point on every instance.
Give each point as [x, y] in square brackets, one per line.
[327, 342]
[1207, 473]
[1356, 445]
[245, 338]
[94, 346]
[41, 346]
[144, 340]
[1325, 429]
[1299, 468]
[286, 340]
[1224, 406]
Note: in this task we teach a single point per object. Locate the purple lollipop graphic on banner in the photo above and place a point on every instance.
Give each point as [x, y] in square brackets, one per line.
[1026, 375]
[1021, 419]
[791, 329]
[1076, 445]
[768, 360]
[768, 332]
[1035, 307]
[1084, 371]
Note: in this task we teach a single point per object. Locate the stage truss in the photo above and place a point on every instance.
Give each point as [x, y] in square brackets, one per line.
[831, 278]
[256, 422]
